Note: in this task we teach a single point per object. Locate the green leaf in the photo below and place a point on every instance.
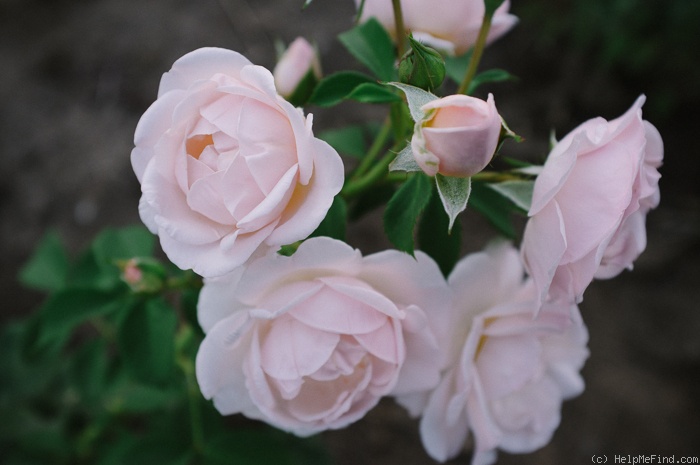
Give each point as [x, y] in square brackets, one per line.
[306, 4]
[68, 308]
[335, 88]
[370, 200]
[97, 266]
[494, 207]
[403, 210]
[372, 92]
[349, 140]
[119, 244]
[263, 445]
[492, 5]
[88, 371]
[491, 75]
[301, 94]
[454, 193]
[47, 269]
[456, 66]
[147, 340]
[518, 192]
[334, 224]
[372, 46]
[435, 239]
[127, 396]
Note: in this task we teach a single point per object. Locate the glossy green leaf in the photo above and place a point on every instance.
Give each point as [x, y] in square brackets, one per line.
[491, 75]
[47, 269]
[333, 89]
[371, 45]
[372, 92]
[403, 211]
[304, 89]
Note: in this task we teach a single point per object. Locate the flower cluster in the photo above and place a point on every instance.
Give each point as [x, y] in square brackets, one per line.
[311, 339]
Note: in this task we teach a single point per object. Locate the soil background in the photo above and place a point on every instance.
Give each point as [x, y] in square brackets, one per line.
[77, 74]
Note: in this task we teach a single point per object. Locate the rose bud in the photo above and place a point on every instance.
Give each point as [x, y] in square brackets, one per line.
[458, 137]
[297, 72]
[422, 66]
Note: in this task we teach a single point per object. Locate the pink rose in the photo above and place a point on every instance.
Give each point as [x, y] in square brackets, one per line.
[509, 372]
[590, 203]
[459, 136]
[313, 341]
[227, 166]
[296, 62]
[448, 25]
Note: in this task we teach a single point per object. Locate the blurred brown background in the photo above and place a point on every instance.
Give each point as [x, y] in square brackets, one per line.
[77, 74]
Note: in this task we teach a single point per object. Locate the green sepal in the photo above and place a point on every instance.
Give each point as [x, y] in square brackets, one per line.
[454, 194]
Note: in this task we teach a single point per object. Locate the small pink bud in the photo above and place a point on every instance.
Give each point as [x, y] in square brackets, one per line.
[296, 62]
[459, 136]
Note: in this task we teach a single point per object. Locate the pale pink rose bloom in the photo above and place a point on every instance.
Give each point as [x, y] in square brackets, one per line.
[460, 136]
[590, 202]
[295, 63]
[313, 341]
[510, 372]
[227, 167]
[451, 26]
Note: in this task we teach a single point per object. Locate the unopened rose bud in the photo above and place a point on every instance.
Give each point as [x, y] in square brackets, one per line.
[458, 137]
[422, 67]
[143, 275]
[297, 72]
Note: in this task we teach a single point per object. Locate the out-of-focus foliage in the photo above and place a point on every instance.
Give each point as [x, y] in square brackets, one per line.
[651, 40]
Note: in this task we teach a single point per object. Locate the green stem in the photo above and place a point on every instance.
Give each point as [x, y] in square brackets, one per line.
[193, 395]
[378, 171]
[400, 28]
[476, 53]
[374, 150]
[493, 176]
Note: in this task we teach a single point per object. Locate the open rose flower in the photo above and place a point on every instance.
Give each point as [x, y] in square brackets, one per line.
[509, 372]
[227, 166]
[451, 26]
[590, 204]
[313, 341]
[299, 61]
[459, 136]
